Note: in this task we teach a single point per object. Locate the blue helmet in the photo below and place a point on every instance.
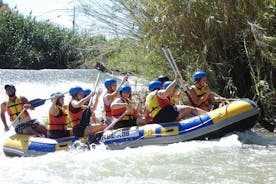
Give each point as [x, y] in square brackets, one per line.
[60, 94]
[199, 75]
[125, 88]
[167, 83]
[86, 92]
[154, 85]
[73, 91]
[109, 82]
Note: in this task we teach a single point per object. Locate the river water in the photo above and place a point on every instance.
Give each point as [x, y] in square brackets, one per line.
[238, 158]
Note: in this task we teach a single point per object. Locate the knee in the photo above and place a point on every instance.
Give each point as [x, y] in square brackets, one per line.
[187, 110]
[141, 121]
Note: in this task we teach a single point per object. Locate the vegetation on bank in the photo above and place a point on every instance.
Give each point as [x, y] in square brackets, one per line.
[28, 44]
[234, 41]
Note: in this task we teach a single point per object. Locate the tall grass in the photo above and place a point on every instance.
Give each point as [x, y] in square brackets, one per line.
[232, 40]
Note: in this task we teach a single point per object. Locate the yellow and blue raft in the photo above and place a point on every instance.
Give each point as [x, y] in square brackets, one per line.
[239, 115]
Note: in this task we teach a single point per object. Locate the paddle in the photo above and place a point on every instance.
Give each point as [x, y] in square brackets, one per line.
[95, 138]
[174, 67]
[86, 114]
[115, 122]
[38, 101]
[17, 117]
[172, 62]
[176, 71]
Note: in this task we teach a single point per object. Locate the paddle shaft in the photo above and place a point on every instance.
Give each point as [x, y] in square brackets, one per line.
[17, 117]
[116, 121]
[96, 84]
[176, 71]
[174, 67]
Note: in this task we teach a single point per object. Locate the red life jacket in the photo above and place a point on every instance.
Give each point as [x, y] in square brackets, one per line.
[58, 122]
[107, 110]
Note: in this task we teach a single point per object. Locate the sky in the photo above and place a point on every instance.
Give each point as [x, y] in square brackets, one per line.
[59, 12]
[56, 11]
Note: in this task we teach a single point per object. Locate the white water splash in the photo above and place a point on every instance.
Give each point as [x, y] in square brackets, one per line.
[226, 160]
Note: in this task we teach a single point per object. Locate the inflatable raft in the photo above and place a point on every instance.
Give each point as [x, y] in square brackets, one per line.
[238, 115]
[27, 146]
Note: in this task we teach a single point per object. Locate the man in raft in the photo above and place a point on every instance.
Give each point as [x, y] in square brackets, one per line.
[200, 93]
[159, 107]
[16, 107]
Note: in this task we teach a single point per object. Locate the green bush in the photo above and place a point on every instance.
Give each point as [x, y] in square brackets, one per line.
[28, 44]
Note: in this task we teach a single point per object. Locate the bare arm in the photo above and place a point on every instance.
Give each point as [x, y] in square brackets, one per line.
[123, 81]
[77, 104]
[139, 107]
[147, 115]
[178, 94]
[26, 104]
[116, 104]
[169, 90]
[208, 95]
[113, 95]
[217, 98]
[98, 94]
[53, 109]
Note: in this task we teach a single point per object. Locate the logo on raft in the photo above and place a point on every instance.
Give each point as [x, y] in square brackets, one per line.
[120, 134]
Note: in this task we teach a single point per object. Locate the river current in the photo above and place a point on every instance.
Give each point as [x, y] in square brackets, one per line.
[239, 158]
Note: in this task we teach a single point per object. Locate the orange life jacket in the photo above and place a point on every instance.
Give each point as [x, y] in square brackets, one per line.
[75, 115]
[58, 122]
[14, 109]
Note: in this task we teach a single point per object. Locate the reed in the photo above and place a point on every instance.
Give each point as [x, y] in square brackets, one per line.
[231, 40]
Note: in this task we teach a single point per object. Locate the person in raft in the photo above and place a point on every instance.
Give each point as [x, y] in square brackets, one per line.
[16, 106]
[110, 95]
[93, 108]
[123, 105]
[200, 93]
[76, 107]
[57, 127]
[159, 107]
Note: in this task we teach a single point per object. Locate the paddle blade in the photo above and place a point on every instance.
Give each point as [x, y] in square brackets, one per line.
[85, 118]
[37, 102]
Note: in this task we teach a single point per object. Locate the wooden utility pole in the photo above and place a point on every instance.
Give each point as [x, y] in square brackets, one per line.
[74, 18]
